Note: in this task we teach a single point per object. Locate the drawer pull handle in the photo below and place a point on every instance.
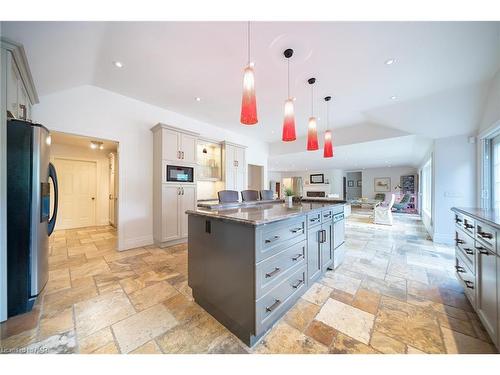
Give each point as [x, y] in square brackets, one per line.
[457, 220]
[459, 241]
[460, 269]
[298, 284]
[272, 239]
[328, 216]
[469, 284]
[296, 230]
[469, 251]
[315, 219]
[468, 226]
[297, 257]
[271, 274]
[483, 251]
[485, 235]
[273, 306]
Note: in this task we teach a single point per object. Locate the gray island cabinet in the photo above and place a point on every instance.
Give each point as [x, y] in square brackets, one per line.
[477, 257]
[248, 264]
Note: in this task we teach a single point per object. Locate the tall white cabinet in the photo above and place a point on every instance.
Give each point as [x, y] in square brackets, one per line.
[235, 167]
[17, 95]
[172, 146]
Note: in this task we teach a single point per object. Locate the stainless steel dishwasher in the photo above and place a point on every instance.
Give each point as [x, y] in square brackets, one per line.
[338, 239]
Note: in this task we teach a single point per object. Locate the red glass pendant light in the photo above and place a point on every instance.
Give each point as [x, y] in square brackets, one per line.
[289, 115]
[249, 101]
[328, 146]
[312, 132]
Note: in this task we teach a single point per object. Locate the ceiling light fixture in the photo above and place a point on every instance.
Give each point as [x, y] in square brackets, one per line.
[312, 132]
[328, 146]
[118, 64]
[248, 101]
[198, 99]
[288, 134]
[390, 61]
[394, 97]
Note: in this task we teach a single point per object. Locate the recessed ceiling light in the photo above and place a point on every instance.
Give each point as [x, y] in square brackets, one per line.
[198, 99]
[394, 97]
[390, 61]
[118, 64]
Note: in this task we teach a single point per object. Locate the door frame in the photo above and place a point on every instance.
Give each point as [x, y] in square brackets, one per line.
[97, 180]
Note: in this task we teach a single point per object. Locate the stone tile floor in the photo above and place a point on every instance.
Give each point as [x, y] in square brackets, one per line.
[395, 293]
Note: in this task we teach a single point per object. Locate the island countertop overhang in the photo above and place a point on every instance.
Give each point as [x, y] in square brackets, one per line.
[261, 214]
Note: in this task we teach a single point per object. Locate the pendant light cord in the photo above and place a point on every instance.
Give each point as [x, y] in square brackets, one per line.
[248, 34]
[312, 100]
[327, 115]
[288, 77]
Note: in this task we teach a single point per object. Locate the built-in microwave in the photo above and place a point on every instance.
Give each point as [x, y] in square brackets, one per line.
[177, 173]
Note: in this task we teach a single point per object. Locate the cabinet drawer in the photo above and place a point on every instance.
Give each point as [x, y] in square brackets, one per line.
[274, 304]
[326, 216]
[271, 271]
[313, 219]
[274, 238]
[465, 246]
[465, 224]
[486, 235]
[466, 277]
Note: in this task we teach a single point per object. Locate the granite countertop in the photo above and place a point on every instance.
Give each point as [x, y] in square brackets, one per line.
[262, 213]
[490, 216]
[216, 205]
[323, 199]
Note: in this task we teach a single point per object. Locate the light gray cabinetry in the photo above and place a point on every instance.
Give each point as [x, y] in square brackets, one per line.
[320, 244]
[477, 267]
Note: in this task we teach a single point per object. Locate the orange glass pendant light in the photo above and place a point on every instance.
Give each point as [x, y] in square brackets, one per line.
[249, 101]
[312, 131]
[289, 115]
[328, 147]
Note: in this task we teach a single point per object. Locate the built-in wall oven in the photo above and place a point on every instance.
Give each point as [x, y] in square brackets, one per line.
[179, 173]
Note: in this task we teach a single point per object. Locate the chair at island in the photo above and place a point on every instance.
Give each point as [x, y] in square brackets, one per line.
[266, 195]
[249, 195]
[228, 196]
[383, 214]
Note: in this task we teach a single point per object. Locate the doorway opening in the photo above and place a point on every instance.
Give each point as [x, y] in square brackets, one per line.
[255, 177]
[87, 173]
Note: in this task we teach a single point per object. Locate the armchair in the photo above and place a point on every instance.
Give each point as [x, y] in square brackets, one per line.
[403, 203]
[383, 214]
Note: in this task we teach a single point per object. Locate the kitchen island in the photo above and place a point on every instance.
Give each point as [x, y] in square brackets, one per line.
[248, 264]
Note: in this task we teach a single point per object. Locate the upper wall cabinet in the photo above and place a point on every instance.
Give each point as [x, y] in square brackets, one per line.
[235, 167]
[20, 93]
[177, 145]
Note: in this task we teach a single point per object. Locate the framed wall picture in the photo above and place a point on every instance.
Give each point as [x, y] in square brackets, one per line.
[382, 184]
[358, 183]
[317, 178]
[408, 184]
[350, 183]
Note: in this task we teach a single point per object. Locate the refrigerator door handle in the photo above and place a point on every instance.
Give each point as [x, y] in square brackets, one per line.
[52, 220]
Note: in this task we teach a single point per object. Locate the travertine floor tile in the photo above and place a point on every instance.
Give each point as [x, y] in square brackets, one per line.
[59, 322]
[343, 344]
[456, 342]
[347, 319]
[138, 329]
[151, 295]
[151, 347]
[300, 315]
[317, 294]
[366, 300]
[321, 332]
[96, 340]
[386, 345]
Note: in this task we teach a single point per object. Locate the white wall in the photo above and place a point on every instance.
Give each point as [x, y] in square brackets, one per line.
[453, 184]
[491, 113]
[102, 173]
[92, 111]
[395, 173]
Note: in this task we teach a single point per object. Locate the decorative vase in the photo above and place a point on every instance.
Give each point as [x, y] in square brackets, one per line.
[289, 200]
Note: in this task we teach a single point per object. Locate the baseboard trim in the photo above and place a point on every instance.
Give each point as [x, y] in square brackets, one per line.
[441, 238]
[131, 243]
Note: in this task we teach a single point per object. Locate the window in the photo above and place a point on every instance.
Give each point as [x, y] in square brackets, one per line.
[495, 172]
[427, 188]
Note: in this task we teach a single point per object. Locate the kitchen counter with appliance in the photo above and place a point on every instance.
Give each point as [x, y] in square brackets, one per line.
[477, 263]
[248, 265]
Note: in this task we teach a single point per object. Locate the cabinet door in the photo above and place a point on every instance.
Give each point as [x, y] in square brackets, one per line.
[170, 212]
[188, 148]
[170, 145]
[239, 156]
[327, 246]
[229, 167]
[240, 179]
[487, 306]
[339, 233]
[188, 202]
[313, 254]
[12, 86]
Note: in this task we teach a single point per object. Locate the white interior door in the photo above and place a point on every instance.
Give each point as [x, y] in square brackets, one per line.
[77, 193]
[112, 195]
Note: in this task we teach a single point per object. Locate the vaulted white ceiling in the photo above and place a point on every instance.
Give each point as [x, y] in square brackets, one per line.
[440, 78]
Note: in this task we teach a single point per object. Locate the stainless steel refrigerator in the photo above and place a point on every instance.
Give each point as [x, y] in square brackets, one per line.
[29, 224]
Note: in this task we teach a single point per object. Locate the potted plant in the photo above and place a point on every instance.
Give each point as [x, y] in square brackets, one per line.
[288, 196]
